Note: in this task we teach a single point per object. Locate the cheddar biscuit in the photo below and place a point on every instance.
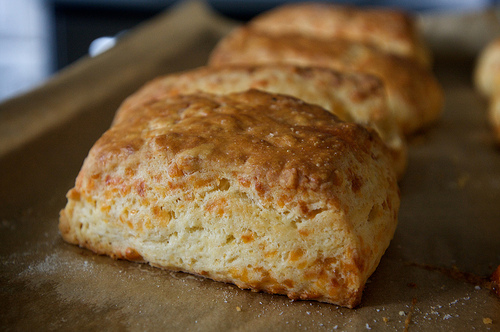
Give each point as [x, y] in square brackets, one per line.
[261, 190]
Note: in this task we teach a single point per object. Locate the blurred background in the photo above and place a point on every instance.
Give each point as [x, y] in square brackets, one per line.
[40, 37]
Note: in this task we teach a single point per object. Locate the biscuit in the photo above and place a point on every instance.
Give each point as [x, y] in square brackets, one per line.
[487, 82]
[356, 97]
[414, 95]
[494, 115]
[257, 189]
[487, 71]
[389, 30]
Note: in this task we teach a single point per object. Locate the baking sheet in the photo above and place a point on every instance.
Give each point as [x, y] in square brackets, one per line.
[449, 217]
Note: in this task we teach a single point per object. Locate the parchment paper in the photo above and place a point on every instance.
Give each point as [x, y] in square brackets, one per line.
[449, 217]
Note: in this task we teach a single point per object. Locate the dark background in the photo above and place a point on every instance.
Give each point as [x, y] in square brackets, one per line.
[40, 37]
[78, 22]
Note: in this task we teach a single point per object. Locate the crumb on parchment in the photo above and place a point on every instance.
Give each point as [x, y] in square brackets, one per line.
[487, 320]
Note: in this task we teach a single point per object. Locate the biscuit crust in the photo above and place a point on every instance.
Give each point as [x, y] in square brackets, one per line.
[392, 31]
[261, 190]
[355, 97]
[494, 115]
[487, 82]
[487, 71]
[414, 95]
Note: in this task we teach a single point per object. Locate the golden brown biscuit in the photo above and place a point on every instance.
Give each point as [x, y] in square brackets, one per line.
[389, 30]
[487, 82]
[487, 71]
[414, 95]
[261, 190]
[351, 96]
[494, 114]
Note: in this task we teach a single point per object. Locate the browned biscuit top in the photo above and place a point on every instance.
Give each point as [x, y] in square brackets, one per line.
[279, 145]
[353, 97]
[344, 94]
[246, 46]
[414, 94]
[390, 30]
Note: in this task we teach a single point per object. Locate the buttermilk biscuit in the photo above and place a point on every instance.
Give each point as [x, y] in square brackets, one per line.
[494, 114]
[487, 72]
[414, 95]
[353, 97]
[487, 82]
[261, 190]
[389, 30]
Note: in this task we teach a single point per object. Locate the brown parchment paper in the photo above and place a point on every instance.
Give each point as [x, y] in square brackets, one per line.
[449, 217]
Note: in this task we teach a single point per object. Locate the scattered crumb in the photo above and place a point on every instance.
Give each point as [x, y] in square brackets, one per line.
[385, 319]
[487, 320]
[402, 313]
[238, 308]
[410, 313]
